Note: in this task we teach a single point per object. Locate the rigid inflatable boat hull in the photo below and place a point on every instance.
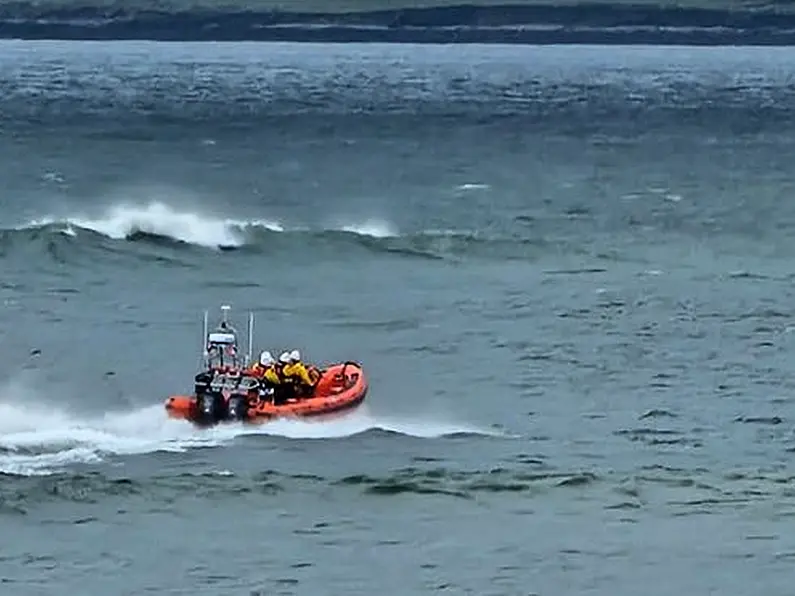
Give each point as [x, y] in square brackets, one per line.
[340, 389]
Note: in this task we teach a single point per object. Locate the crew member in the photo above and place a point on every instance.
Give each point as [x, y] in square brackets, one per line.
[285, 389]
[265, 364]
[265, 371]
[296, 371]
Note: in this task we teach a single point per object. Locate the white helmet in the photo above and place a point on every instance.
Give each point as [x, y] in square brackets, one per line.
[266, 358]
[284, 357]
[295, 356]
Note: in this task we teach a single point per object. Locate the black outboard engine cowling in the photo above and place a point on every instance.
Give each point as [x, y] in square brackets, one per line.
[211, 407]
[237, 407]
[201, 382]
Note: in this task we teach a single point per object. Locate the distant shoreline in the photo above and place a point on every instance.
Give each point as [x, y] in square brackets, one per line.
[608, 24]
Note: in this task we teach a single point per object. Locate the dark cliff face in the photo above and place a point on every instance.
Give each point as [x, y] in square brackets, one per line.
[585, 23]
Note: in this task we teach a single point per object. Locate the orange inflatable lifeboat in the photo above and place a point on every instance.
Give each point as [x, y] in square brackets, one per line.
[228, 391]
[341, 387]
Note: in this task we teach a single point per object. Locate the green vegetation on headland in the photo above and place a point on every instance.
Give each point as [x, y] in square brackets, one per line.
[709, 22]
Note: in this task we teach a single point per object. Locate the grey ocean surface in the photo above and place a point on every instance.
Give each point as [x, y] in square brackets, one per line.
[566, 270]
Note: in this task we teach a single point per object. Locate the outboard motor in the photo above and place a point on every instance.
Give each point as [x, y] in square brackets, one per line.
[201, 383]
[211, 407]
[237, 407]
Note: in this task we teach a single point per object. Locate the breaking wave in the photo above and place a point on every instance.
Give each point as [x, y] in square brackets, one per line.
[158, 220]
[157, 224]
[126, 222]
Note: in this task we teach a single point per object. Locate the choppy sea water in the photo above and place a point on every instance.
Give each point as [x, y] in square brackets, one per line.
[566, 271]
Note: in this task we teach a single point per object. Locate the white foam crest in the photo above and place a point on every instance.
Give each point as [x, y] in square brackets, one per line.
[43, 465]
[362, 420]
[473, 186]
[119, 221]
[373, 227]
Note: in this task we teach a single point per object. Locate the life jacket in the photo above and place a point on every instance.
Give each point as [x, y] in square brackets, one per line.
[297, 372]
[271, 374]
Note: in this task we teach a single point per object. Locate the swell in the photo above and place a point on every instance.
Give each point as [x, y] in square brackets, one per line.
[678, 491]
[295, 92]
[73, 244]
[156, 233]
[518, 22]
[22, 492]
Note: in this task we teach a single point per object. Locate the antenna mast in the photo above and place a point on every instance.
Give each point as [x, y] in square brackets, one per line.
[204, 339]
[250, 338]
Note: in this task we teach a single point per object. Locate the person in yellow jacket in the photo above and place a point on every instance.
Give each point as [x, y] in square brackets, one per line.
[266, 371]
[286, 389]
[295, 371]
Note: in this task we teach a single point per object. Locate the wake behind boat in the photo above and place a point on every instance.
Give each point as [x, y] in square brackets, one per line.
[229, 388]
